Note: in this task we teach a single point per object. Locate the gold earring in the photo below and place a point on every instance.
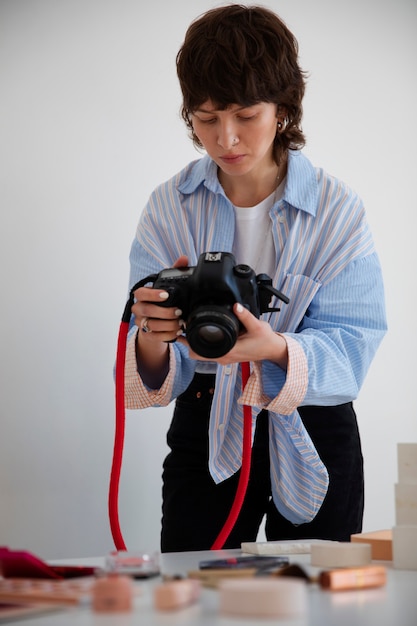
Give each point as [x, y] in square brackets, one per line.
[282, 125]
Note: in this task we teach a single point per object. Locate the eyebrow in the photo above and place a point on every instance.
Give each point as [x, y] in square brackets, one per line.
[211, 111]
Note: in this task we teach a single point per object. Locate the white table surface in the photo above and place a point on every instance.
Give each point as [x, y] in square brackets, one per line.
[392, 605]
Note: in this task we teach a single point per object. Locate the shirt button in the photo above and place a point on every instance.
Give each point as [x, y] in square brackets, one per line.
[228, 370]
[281, 219]
[221, 427]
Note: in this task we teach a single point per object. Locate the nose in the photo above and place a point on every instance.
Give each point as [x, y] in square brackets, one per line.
[227, 136]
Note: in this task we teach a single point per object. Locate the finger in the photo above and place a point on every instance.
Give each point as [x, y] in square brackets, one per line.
[162, 330]
[249, 321]
[143, 325]
[171, 316]
[182, 261]
[149, 294]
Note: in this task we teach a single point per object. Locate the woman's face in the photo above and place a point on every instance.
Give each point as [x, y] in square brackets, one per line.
[239, 139]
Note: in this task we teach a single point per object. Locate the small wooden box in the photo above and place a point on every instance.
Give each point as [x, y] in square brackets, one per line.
[380, 541]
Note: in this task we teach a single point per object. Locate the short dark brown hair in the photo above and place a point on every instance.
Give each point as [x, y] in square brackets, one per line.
[242, 55]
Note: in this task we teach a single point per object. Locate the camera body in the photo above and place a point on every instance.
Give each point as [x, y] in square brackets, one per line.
[206, 294]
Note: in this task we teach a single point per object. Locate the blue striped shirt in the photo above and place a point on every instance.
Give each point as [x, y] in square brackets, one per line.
[326, 264]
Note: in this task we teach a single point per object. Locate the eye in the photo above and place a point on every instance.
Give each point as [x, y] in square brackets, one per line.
[247, 114]
[205, 120]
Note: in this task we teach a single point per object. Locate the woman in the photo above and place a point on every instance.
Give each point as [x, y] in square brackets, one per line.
[256, 195]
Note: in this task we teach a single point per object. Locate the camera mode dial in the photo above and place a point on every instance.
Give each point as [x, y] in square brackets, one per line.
[242, 270]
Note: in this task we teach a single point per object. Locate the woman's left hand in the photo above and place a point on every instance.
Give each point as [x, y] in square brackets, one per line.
[257, 343]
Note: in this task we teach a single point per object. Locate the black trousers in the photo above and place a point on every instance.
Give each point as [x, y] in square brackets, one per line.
[194, 508]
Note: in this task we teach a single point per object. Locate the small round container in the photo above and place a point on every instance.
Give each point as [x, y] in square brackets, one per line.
[112, 593]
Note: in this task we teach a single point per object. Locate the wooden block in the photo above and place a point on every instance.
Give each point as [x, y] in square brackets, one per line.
[405, 504]
[407, 462]
[380, 542]
[340, 554]
[404, 547]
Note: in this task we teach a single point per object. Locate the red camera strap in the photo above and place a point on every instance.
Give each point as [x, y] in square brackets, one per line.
[118, 438]
[244, 470]
[119, 443]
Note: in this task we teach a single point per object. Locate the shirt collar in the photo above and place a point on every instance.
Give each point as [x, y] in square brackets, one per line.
[301, 189]
[202, 171]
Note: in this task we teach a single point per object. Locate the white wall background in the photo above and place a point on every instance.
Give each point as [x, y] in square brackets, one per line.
[89, 125]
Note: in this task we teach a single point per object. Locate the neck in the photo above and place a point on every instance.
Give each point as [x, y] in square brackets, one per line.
[250, 190]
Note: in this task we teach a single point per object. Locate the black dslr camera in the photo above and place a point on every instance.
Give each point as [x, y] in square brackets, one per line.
[206, 294]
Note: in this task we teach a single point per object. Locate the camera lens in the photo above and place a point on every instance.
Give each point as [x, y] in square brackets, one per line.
[212, 331]
[211, 334]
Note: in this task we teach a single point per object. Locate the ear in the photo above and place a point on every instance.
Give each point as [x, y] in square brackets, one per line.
[282, 119]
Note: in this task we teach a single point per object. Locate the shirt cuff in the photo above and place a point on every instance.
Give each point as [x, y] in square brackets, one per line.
[293, 390]
[137, 394]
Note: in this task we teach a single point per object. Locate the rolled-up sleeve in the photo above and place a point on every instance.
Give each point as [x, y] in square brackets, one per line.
[294, 383]
[137, 394]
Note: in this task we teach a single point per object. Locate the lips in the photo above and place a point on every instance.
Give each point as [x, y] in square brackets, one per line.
[232, 159]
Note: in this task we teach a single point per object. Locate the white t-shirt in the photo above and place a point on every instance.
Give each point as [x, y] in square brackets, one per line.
[253, 243]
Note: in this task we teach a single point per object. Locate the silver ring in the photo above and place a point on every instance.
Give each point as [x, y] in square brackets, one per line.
[144, 325]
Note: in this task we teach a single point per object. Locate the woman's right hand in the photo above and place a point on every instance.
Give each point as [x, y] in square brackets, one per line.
[157, 325]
